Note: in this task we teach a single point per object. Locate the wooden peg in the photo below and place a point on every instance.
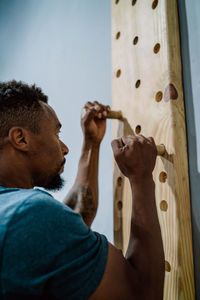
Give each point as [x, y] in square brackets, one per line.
[114, 115]
[111, 114]
[161, 149]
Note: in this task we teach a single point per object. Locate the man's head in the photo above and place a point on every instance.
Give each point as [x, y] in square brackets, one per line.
[29, 138]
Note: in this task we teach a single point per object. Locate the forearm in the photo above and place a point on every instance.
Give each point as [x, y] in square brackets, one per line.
[145, 250]
[83, 196]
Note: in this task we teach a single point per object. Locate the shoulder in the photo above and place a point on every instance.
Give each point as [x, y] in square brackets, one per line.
[39, 199]
[35, 206]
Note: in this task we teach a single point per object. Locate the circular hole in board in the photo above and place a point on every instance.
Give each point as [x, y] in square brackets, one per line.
[119, 181]
[154, 4]
[116, 1]
[159, 96]
[138, 129]
[119, 205]
[156, 48]
[118, 35]
[134, 2]
[137, 84]
[163, 177]
[163, 205]
[118, 74]
[167, 266]
[135, 41]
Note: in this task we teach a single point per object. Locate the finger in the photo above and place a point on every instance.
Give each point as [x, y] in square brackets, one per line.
[98, 106]
[92, 106]
[99, 109]
[102, 112]
[101, 106]
[89, 114]
[88, 105]
[116, 145]
[128, 139]
[96, 102]
[142, 139]
[85, 112]
[106, 110]
[152, 141]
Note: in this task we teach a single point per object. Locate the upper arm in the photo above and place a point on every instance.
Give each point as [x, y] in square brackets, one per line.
[120, 280]
[50, 251]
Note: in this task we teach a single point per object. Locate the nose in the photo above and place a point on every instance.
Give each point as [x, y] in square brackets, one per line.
[64, 148]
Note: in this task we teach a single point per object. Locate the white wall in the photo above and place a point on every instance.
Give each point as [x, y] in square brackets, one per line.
[64, 47]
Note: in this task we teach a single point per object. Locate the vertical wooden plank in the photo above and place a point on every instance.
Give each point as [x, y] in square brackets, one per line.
[147, 88]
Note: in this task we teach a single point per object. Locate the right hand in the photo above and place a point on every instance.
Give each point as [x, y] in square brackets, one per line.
[135, 155]
[93, 122]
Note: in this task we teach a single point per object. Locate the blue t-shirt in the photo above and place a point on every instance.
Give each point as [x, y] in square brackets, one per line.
[47, 251]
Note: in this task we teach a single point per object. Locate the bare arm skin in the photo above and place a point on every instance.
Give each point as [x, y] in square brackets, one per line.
[83, 197]
[140, 274]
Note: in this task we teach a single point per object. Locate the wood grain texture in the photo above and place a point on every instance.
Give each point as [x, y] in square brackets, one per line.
[147, 88]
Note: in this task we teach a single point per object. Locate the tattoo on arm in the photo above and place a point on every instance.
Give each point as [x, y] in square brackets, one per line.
[81, 200]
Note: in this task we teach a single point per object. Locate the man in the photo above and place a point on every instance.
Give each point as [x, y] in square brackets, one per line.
[48, 250]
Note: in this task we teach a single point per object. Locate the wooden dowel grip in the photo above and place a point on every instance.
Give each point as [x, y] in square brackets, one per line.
[161, 149]
[114, 115]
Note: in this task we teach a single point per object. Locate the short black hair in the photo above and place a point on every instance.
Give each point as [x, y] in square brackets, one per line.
[20, 106]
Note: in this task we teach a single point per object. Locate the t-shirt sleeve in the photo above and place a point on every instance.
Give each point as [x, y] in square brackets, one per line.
[50, 251]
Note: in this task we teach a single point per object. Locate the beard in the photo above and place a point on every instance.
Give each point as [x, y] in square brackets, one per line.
[53, 182]
[56, 183]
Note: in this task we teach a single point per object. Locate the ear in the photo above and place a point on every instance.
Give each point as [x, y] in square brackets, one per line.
[19, 138]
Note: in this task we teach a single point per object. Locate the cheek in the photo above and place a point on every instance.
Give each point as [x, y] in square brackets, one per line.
[48, 151]
[54, 150]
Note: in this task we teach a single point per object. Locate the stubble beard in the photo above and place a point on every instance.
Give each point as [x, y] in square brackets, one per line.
[56, 183]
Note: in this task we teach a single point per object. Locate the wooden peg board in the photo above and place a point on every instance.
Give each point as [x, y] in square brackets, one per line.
[147, 88]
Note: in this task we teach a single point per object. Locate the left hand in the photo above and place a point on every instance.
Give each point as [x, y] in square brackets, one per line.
[93, 123]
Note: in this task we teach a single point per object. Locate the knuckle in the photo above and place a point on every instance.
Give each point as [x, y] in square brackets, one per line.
[151, 139]
[87, 105]
[98, 107]
[143, 142]
[114, 143]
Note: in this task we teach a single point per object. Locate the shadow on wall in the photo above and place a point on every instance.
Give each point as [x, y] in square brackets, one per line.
[191, 134]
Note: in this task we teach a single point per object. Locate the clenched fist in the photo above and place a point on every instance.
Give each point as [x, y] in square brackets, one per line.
[135, 155]
[93, 122]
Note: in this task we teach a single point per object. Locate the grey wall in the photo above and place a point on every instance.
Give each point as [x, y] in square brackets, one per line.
[64, 47]
[189, 12]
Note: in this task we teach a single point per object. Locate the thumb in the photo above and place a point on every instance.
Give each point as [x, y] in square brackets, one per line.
[116, 146]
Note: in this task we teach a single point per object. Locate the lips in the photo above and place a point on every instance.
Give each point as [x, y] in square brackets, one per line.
[62, 165]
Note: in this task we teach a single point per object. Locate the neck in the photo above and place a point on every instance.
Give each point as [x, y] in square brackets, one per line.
[14, 173]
